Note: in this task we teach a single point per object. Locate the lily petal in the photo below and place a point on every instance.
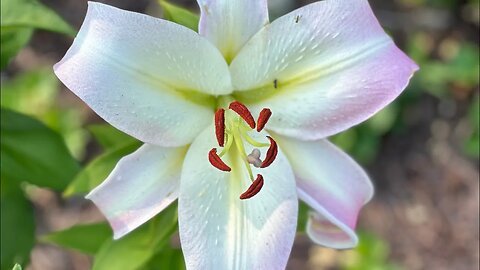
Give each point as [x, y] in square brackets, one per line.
[220, 231]
[230, 23]
[331, 183]
[321, 69]
[134, 71]
[141, 185]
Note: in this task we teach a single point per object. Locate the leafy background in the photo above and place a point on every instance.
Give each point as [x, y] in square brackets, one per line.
[422, 151]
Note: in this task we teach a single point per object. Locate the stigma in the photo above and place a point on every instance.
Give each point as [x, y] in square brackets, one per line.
[231, 130]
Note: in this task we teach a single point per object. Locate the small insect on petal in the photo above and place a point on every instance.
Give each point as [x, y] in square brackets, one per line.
[220, 126]
[271, 153]
[263, 118]
[297, 18]
[216, 161]
[254, 188]
[243, 111]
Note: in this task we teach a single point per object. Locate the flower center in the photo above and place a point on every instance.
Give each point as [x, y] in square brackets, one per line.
[231, 129]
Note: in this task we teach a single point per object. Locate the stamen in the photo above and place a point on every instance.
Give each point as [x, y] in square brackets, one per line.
[241, 150]
[243, 111]
[271, 153]
[229, 140]
[216, 161]
[220, 126]
[252, 141]
[254, 188]
[263, 118]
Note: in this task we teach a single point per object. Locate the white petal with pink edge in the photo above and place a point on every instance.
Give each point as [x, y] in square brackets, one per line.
[220, 231]
[144, 75]
[321, 69]
[141, 185]
[230, 23]
[333, 185]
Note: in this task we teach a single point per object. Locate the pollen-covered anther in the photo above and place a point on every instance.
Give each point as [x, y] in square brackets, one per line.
[243, 111]
[263, 118]
[217, 162]
[254, 188]
[271, 153]
[220, 126]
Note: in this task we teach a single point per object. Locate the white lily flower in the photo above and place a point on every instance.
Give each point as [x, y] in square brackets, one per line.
[317, 70]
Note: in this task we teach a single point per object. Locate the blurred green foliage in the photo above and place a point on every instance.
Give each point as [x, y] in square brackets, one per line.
[139, 247]
[16, 224]
[117, 145]
[19, 18]
[147, 247]
[461, 69]
[472, 145]
[86, 238]
[371, 253]
[40, 141]
[33, 153]
[12, 41]
[36, 93]
[179, 15]
[30, 153]
[109, 137]
[363, 142]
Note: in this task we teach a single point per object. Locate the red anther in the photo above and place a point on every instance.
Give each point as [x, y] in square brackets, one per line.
[243, 111]
[263, 118]
[216, 161]
[220, 126]
[254, 188]
[271, 153]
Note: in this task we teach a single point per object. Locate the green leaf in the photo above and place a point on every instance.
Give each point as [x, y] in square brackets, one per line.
[17, 267]
[98, 169]
[35, 93]
[179, 15]
[303, 213]
[167, 258]
[471, 145]
[109, 137]
[31, 93]
[12, 41]
[18, 19]
[17, 225]
[384, 120]
[87, 238]
[34, 153]
[137, 248]
[32, 14]
[346, 140]
[371, 253]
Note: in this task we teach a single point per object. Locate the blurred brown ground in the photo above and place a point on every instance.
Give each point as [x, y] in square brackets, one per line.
[427, 193]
